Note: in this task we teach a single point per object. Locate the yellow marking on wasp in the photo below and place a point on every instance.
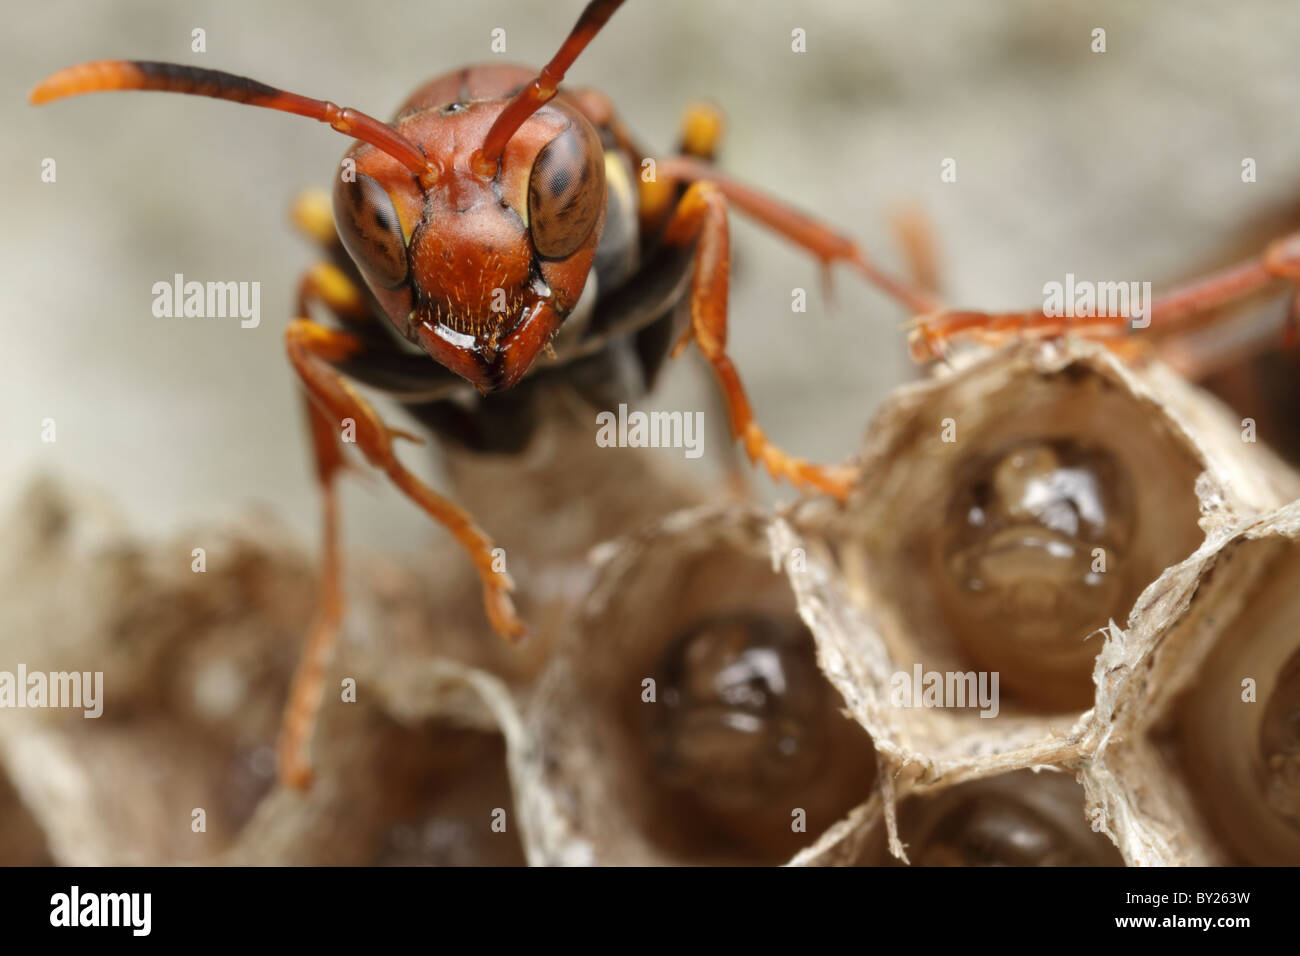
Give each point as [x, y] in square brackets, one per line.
[657, 196]
[313, 214]
[337, 290]
[701, 129]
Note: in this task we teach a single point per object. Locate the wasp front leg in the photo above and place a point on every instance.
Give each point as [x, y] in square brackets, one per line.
[333, 407]
[701, 219]
[308, 685]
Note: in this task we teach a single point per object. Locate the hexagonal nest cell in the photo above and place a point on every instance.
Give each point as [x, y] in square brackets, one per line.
[684, 715]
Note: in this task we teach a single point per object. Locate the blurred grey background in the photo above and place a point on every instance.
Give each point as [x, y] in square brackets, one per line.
[1118, 165]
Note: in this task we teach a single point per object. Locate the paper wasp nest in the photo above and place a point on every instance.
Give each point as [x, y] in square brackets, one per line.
[725, 683]
[413, 766]
[1204, 761]
[180, 766]
[1053, 515]
[1046, 513]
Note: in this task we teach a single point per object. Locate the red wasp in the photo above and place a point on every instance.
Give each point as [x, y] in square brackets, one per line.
[497, 218]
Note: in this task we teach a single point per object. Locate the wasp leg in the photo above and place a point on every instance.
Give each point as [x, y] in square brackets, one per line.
[799, 228]
[1236, 341]
[311, 349]
[915, 235]
[1171, 313]
[1282, 259]
[332, 406]
[308, 685]
[701, 219]
[702, 127]
[930, 334]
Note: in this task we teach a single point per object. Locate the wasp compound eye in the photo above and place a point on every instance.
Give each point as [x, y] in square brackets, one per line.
[743, 715]
[370, 230]
[566, 191]
[1032, 559]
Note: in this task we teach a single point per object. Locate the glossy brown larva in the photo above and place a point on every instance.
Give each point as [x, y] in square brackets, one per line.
[1020, 819]
[744, 712]
[747, 748]
[691, 674]
[999, 831]
[992, 831]
[1031, 559]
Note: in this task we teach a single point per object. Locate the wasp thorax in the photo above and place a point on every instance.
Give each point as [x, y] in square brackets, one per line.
[1031, 560]
[743, 714]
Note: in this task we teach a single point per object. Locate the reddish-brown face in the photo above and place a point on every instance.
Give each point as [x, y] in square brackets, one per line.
[478, 270]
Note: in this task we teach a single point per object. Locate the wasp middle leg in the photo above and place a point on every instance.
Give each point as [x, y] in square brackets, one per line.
[701, 219]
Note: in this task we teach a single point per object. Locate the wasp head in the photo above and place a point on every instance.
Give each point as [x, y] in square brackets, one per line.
[479, 267]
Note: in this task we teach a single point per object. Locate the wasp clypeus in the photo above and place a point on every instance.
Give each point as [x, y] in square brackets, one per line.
[506, 229]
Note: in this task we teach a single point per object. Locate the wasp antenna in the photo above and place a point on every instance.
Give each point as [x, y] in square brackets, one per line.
[536, 94]
[109, 75]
